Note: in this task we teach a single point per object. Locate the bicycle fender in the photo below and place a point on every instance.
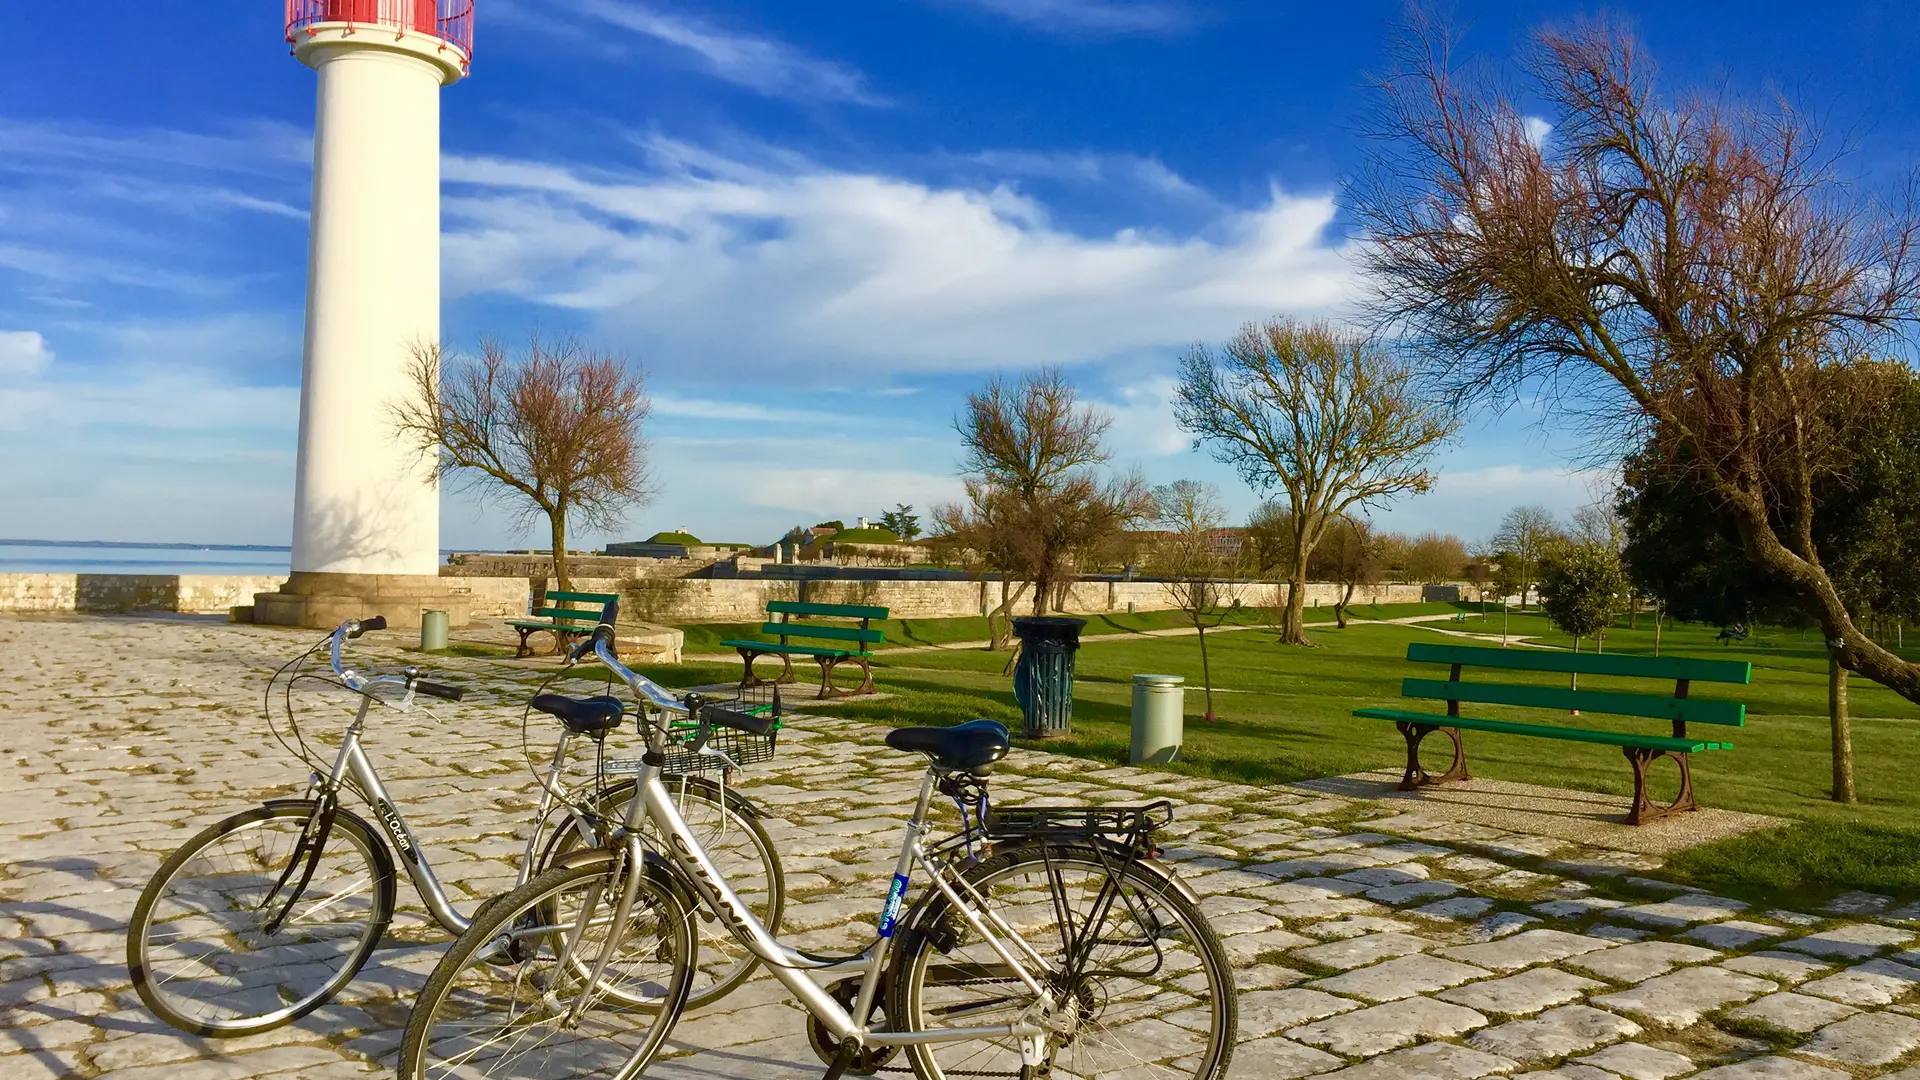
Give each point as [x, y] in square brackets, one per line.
[382, 858]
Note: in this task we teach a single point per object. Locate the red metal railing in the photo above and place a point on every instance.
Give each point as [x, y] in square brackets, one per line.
[449, 20]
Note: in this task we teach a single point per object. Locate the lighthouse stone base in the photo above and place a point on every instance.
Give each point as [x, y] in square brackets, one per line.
[319, 601]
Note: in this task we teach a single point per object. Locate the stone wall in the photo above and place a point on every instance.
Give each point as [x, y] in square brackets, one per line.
[661, 600]
[194, 594]
[493, 565]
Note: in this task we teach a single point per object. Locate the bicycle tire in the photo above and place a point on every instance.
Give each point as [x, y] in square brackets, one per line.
[1169, 1009]
[733, 964]
[540, 899]
[142, 965]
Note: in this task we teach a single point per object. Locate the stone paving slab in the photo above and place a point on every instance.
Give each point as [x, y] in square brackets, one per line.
[1371, 939]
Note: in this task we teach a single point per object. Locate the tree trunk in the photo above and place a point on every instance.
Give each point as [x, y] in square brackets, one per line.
[1820, 597]
[1659, 613]
[1340, 608]
[1842, 729]
[999, 631]
[1206, 672]
[1633, 612]
[557, 518]
[1294, 630]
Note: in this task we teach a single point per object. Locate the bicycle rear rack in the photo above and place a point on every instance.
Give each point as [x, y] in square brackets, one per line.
[1008, 822]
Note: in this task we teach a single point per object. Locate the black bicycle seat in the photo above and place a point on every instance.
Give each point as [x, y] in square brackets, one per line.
[583, 716]
[972, 747]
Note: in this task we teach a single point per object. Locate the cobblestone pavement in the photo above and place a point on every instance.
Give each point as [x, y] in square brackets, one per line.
[1367, 942]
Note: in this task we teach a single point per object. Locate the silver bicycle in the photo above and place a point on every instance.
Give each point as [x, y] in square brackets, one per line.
[1048, 941]
[264, 916]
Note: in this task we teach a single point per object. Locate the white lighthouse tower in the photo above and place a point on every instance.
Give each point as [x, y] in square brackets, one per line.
[366, 522]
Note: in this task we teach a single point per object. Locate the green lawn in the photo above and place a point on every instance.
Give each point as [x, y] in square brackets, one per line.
[1285, 714]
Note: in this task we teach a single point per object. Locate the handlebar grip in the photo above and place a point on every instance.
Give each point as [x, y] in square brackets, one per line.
[602, 632]
[378, 622]
[439, 690]
[738, 721]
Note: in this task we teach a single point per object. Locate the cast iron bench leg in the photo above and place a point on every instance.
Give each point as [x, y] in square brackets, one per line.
[828, 663]
[1644, 808]
[748, 678]
[523, 650]
[1417, 776]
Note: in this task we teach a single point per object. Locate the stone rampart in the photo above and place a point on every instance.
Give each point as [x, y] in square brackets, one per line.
[660, 600]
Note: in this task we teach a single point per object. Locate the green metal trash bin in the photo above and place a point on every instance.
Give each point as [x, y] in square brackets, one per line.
[1159, 706]
[1043, 680]
[433, 630]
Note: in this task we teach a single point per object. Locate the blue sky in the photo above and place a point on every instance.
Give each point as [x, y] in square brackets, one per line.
[814, 224]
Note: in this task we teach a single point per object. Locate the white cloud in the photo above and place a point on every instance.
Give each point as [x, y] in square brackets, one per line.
[1089, 167]
[1536, 130]
[705, 409]
[144, 398]
[23, 354]
[1097, 16]
[818, 490]
[1470, 502]
[762, 65]
[1143, 423]
[810, 271]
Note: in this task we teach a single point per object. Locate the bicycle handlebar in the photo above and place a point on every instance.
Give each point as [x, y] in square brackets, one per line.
[353, 628]
[439, 690]
[601, 644]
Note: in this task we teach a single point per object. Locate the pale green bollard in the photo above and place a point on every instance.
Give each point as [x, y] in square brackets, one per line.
[433, 630]
[1159, 703]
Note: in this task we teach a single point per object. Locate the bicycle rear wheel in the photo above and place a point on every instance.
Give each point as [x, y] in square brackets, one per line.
[214, 949]
[516, 997]
[1143, 988]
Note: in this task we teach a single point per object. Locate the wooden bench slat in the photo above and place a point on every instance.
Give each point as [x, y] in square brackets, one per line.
[601, 598]
[844, 611]
[796, 650]
[822, 630]
[1691, 710]
[570, 613]
[1644, 667]
[1546, 731]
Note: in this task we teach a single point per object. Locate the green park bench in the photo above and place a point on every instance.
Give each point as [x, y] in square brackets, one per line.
[1641, 749]
[854, 642]
[548, 613]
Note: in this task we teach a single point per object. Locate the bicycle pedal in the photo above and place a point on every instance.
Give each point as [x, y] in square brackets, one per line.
[843, 1060]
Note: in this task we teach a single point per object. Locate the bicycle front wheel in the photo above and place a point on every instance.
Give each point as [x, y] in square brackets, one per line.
[517, 995]
[221, 945]
[728, 827]
[1141, 985]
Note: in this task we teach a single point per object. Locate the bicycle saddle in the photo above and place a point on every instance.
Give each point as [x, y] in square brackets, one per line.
[583, 716]
[973, 746]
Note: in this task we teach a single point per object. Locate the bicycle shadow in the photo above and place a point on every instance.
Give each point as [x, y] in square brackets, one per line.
[71, 969]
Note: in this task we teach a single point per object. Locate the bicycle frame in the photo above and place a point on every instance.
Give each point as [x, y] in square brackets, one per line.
[790, 966]
[351, 762]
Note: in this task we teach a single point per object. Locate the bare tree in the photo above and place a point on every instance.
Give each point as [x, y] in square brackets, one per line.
[1679, 267]
[1320, 413]
[1526, 534]
[1038, 507]
[1270, 537]
[1201, 578]
[1434, 558]
[555, 431]
[1349, 555]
